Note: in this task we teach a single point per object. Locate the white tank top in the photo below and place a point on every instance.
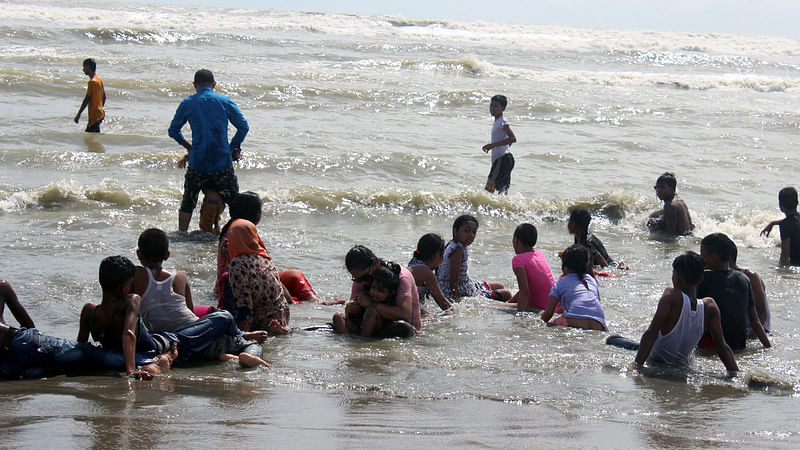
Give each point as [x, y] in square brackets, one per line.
[676, 348]
[162, 309]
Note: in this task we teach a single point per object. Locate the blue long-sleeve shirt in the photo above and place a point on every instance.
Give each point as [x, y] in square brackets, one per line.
[208, 114]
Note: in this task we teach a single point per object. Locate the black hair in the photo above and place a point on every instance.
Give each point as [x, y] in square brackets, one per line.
[388, 276]
[203, 76]
[428, 245]
[91, 63]
[359, 257]
[690, 266]
[667, 178]
[526, 234]
[787, 198]
[246, 205]
[501, 99]
[581, 218]
[461, 220]
[718, 244]
[576, 259]
[115, 270]
[153, 245]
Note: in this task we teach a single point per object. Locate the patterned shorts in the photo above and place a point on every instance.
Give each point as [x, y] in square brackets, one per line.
[223, 182]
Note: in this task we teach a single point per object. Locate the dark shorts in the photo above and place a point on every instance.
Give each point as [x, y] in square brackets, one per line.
[501, 172]
[223, 183]
[94, 127]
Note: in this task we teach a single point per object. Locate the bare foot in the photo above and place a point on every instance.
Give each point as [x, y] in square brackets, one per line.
[163, 362]
[248, 360]
[258, 336]
[276, 328]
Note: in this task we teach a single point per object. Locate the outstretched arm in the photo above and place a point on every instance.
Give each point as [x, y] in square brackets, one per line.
[768, 229]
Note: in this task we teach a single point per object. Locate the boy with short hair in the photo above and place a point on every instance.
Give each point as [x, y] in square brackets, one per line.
[578, 225]
[789, 226]
[534, 277]
[732, 292]
[502, 138]
[680, 319]
[95, 98]
[674, 219]
[166, 303]
[166, 298]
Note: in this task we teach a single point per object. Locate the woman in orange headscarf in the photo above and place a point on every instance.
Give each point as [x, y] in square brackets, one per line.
[257, 298]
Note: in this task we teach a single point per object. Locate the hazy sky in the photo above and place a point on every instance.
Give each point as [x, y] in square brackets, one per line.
[731, 16]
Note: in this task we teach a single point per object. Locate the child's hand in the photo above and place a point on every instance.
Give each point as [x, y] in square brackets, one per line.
[141, 375]
[487, 147]
[767, 229]
[182, 162]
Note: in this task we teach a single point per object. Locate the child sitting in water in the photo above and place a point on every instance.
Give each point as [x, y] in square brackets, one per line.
[577, 292]
[452, 274]
[427, 257]
[674, 219]
[166, 303]
[534, 277]
[578, 225]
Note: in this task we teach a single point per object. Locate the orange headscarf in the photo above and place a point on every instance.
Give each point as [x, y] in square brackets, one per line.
[243, 240]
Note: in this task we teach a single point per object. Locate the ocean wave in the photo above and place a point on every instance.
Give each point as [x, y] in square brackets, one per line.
[136, 35]
[61, 194]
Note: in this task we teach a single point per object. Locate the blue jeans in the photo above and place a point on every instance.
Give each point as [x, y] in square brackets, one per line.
[196, 337]
[32, 354]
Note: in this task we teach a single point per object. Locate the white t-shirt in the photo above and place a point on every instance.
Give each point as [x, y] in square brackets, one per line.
[499, 134]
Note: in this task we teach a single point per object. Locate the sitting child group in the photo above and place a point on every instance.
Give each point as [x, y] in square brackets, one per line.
[146, 320]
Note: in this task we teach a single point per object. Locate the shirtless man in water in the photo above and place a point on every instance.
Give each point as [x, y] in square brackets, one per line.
[674, 219]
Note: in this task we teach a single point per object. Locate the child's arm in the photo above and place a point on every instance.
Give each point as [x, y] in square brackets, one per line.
[83, 328]
[507, 141]
[181, 286]
[523, 295]
[786, 246]
[455, 267]
[768, 229]
[550, 310]
[757, 328]
[9, 297]
[85, 103]
[714, 325]
[401, 310]
[429, 280]
[651, 334]
[129, 329]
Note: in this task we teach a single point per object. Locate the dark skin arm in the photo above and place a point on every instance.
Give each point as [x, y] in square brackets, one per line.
[550, 310]
[758, 329]
[9, 297]
[665, 305]
[523, 296]
[423, 276]
[455, 266]
[714, 325]
[181, 287]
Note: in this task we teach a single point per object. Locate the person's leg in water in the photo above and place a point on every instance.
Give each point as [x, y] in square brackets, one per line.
[211, 211]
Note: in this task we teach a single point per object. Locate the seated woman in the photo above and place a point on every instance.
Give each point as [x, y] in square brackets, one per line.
[577, 292]
[427, 257]
[250, 285]
[363, 315]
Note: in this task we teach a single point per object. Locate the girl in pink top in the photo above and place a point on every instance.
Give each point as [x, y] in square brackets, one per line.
[534, 277]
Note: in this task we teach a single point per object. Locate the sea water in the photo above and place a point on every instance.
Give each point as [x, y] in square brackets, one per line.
[368, 130]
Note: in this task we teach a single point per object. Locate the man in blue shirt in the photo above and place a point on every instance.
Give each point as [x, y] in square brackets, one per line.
[211, 157]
